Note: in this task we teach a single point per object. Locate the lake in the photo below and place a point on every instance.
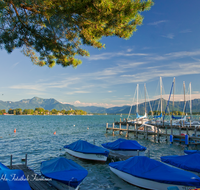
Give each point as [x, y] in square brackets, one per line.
[35, 136]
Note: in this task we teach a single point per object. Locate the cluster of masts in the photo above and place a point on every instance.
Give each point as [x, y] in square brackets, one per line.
[161, 104]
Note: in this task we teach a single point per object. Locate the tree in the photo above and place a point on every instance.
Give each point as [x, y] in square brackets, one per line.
[53, 31]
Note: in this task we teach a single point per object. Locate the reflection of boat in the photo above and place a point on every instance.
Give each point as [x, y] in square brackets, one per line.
[85, 150]
[12, 179]
[125, 147]
[186, 162]
[65, 174]
[151, 174]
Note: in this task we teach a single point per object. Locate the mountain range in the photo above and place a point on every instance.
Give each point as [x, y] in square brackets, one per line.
[49, 104]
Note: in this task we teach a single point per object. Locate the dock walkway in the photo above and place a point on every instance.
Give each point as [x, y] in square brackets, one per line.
[35, 181]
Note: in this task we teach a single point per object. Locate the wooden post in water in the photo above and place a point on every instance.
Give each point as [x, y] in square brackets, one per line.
[146, 132]
[106, 127]
[180, 134]
[166, 133]
[26, 160]
[136, 131]
[171, 126]
[120, 126]
[158, 132]
[137, 152]
[127, 130]
[195, 131]
[148, 153]
[113, 129]
[11, 161]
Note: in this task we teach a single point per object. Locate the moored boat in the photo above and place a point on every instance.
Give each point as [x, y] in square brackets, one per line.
[125, 147]
[147, 173]
[186, 162]
[85, 150]
[191, 151]
[13, 179]
[65, 173]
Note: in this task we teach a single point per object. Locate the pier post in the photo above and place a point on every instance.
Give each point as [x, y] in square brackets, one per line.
[127, 130]
[113, 129]
[154, 132]
[190, 123]
[166, 133]
[186, 129]
[148, 153]
[106, 127]
[136, 131]
[171, 126]
[146, 132]
[120, 126]
[158, 132]
[195, 131]
[11, 161]
[26, 160]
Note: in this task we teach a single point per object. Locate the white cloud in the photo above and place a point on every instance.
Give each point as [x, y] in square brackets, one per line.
[169, 36]
[185, 31]
[105, 56]
[157, 22]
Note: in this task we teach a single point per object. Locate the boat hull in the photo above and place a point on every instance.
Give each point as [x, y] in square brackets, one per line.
[94, 157]
[129, 152]
[144, 183]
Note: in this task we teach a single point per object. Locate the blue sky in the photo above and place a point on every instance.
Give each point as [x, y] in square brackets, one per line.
[167, 45]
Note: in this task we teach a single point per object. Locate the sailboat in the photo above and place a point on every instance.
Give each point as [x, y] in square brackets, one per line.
[179, 119]
[139, 119]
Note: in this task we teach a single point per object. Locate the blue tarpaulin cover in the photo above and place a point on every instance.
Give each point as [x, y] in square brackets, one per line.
[87, 148]
[177, 117]
[144, 167]
[64, 170]
[158, 116]
[123, 144]
[12, 179]
[187, 162]
[191, 151]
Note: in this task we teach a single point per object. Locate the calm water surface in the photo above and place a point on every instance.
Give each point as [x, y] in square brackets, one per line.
[34, 136]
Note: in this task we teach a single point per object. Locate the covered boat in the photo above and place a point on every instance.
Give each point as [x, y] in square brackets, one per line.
[85, 150]
[126, 147]
[64, 173]
[12, 179]
[187, 162]
[151, 174]
[191, 151]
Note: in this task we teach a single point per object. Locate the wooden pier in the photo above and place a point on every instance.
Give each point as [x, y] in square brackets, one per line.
[156, 132]
[36, 181]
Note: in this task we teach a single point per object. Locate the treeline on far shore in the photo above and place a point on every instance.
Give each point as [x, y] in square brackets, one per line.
[41, 111]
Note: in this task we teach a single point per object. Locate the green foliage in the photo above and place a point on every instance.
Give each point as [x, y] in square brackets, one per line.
[76, 112]
[52, 32]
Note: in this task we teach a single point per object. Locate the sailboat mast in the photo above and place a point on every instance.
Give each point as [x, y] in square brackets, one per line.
[137, 97]
[184, 94]
[161, 94]
[145, 97]
[173, 95]
[190, 100]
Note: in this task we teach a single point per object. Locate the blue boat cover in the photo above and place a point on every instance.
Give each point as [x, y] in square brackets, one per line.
[187, 162]
[191, 151]
[64, 170]
[12, 179]
[123, 144]
[177, 117]
[146, 168]
[158, 116]
[87, 148]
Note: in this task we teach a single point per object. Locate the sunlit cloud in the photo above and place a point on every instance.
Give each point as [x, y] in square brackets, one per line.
[105, 56]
